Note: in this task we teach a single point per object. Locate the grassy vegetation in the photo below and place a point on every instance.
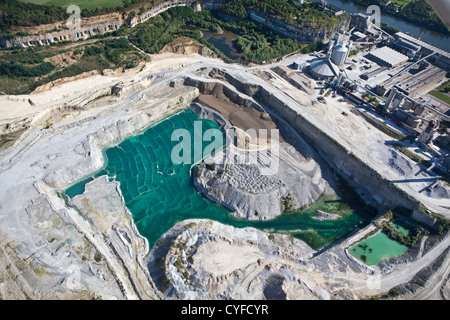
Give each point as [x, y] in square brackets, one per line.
[28, 68]
[401, 2]
[287, 201]
[440, 95]
[308, 15]
[83, 4]
[28, 13]
[7, 140]
[408, 240]
[353, 52]
[98, 256]
[402, 213]
[211, 166]
[442, 224]
[389, 29]
[445, 87]
[15, 14]
[256, 42]
[370, 99]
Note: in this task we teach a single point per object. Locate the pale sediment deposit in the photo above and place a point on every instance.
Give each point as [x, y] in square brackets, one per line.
[208, 260]
[254, 193]
[326, 216]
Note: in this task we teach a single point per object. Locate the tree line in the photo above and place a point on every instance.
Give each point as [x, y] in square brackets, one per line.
[307, 15]
[255, 42]
[15, 14]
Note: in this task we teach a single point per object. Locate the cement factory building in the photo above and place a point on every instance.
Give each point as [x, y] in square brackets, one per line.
[388, 57]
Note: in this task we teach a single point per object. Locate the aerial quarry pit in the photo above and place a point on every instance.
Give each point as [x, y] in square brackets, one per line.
[88, 247]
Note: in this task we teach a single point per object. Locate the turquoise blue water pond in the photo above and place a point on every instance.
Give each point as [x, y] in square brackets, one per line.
[400, 228]
[159, 193]
[376, 248]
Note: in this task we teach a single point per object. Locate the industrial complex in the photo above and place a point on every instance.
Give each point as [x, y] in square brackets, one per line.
[390, 75]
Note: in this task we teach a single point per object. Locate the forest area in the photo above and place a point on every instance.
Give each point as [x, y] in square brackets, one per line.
[256, 42]
[24, 69]
[307, 15]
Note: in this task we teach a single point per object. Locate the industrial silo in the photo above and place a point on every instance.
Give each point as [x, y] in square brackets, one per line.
[339, 54]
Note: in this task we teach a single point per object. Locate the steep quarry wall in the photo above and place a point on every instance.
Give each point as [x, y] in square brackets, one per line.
[371, 185]
[64, 35]
[109, 135]
[299, 33]
[158, 9]
[196, 5]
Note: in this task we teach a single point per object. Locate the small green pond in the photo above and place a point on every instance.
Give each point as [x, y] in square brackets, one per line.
[379, 246]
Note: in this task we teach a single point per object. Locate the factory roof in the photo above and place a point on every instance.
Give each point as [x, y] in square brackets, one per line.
[359, 35]
[422, 43]
[325, 68]
[389, 56]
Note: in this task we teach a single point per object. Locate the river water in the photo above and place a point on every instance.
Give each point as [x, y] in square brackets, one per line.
[159, 193]
[437, 39]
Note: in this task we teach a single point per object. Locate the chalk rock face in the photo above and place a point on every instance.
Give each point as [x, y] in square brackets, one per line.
[255, 192]
[204, 259]
[103, 206]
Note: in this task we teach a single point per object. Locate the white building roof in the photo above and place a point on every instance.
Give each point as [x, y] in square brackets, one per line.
[422, 44]
[325, 68]
[388, 55]
[359, 34]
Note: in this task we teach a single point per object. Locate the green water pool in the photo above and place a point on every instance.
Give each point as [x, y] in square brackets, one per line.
[400, 228]
[159, 193]
[376, 248]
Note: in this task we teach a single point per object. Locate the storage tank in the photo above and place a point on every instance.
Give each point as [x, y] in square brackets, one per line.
[418, 110]
[401, 115]
[408, 104]
[413, 122]
[339, 55]
[323, 70]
